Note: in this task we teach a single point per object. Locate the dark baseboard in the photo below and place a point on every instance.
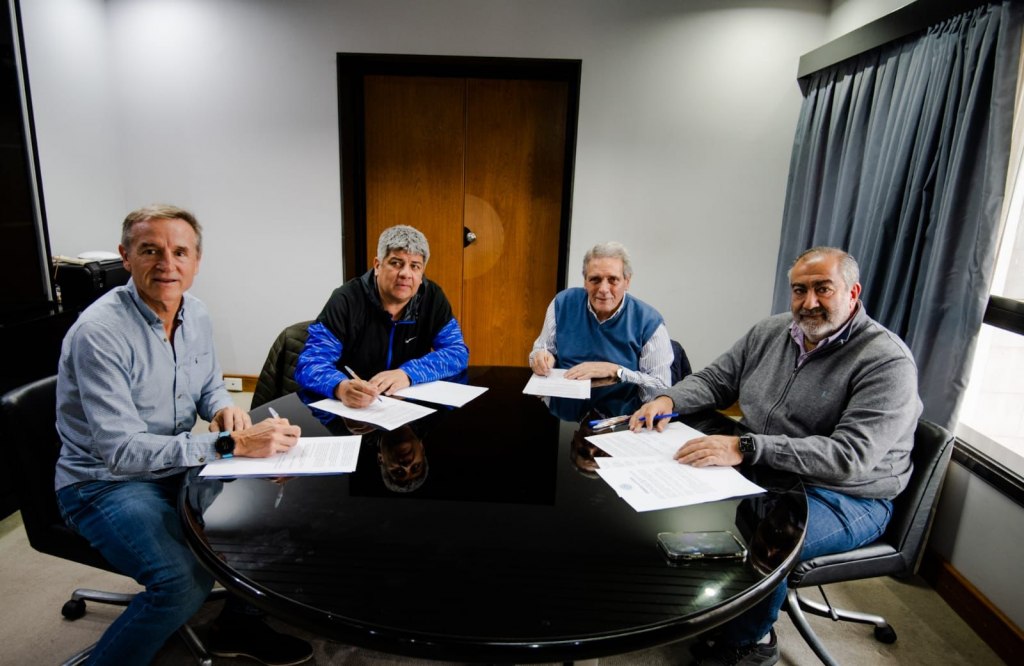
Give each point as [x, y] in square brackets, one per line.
[997, 630]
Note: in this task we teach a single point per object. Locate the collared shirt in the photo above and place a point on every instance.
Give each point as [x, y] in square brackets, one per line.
[127, 398]
[655, 362]
[797, 334]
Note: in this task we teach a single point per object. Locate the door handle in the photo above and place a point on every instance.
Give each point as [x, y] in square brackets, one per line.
[468, 237]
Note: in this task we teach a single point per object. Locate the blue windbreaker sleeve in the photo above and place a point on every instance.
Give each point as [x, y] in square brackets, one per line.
[315, 370]
[450, 356]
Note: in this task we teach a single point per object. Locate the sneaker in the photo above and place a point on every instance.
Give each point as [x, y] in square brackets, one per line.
[729, 654]
[255, 639]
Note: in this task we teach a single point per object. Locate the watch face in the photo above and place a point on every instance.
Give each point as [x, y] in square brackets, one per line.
[746, 444]
[225, 444]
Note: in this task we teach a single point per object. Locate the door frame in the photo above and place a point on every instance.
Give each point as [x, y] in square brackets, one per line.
[353, 67]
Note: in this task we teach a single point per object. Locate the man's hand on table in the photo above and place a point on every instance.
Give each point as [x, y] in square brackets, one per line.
[389, 381]
[593, 370]
[643, 418]
[720, 450]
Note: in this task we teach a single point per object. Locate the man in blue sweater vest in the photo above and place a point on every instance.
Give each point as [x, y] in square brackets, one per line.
[829, 394]
[601, 332]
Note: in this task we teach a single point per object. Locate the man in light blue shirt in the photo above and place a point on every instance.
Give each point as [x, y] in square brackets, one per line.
[135, 371]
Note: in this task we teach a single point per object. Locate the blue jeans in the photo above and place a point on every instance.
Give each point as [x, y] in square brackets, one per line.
[135, 525]
[835, 523]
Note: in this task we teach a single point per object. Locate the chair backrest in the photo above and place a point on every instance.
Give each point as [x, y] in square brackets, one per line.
[680, 363]
[914, 508]
[278, 375]
[27, 425]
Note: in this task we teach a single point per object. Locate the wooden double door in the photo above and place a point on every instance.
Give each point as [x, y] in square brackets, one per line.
[483, 167]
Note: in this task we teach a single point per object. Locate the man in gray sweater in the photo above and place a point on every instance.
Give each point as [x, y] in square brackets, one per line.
[829, 394]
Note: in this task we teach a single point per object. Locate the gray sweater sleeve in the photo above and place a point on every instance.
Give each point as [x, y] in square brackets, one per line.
[714, 387]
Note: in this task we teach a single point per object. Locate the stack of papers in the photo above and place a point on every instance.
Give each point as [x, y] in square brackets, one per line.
[310, 455]
[556, 385]
[643, 472]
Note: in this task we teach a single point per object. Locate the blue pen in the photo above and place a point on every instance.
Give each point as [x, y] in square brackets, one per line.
[662, 416]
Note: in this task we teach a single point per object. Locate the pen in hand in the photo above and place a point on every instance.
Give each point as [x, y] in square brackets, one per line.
[661, 416]
[353, 375]
[280, 492]
[604, 424]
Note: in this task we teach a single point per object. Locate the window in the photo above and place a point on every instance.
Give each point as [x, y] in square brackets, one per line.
[992, 414]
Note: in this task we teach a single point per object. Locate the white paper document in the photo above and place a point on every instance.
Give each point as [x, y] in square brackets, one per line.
[654, 483]
[388, 413]
[643, 472]
[310, 455]
[556, 385]
[662, 444]
[442, 393]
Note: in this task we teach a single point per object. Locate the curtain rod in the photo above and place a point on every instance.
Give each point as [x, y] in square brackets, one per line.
[906, 20]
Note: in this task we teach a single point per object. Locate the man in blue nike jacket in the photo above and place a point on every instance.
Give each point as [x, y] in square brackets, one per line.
[385, 330]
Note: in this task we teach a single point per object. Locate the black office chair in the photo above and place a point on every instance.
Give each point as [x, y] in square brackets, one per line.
[680, 363]
[27, 426]
[897, 553]
[277, 377]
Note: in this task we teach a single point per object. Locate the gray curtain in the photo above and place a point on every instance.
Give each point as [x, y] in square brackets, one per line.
[900, 158]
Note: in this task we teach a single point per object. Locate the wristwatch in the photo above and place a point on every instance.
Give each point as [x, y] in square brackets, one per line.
[747, 446]
[225, 445]
[618, 373]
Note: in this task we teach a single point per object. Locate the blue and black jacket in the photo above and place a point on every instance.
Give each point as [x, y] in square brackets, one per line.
[355, 330]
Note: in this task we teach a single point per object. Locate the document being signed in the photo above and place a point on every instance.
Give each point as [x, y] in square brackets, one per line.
[310, 455]
[556, 385]
[388, 413]
[643, 472]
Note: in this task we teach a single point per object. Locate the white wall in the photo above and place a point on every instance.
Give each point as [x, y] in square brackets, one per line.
[229, 108]
[848, 15]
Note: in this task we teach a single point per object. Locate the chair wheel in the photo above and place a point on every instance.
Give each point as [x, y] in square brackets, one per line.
[73, 609]
[885, 634]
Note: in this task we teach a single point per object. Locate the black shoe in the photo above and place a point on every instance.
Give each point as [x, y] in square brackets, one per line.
[257, 640]
[727, 654]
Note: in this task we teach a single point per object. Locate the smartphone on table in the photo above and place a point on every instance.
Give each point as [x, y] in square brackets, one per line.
[694, 546]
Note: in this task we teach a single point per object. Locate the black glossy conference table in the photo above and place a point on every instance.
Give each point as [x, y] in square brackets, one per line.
[507, 547]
